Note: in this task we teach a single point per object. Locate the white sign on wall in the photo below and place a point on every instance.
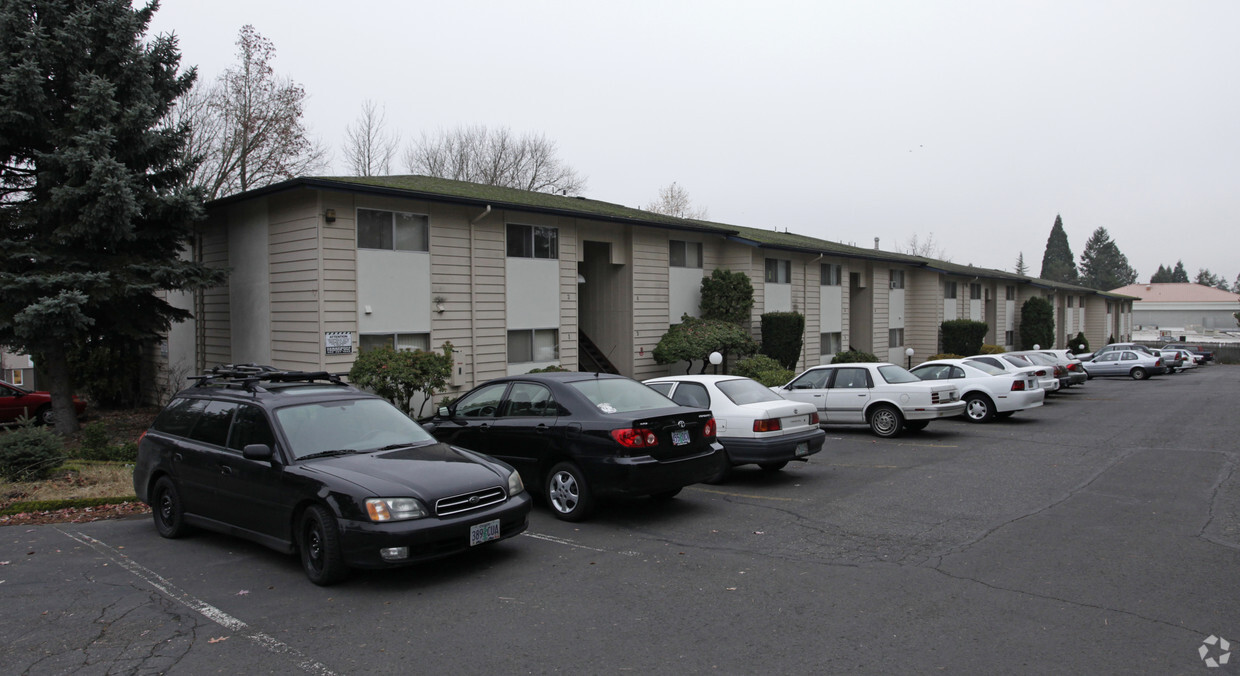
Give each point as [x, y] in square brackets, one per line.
[339, 342]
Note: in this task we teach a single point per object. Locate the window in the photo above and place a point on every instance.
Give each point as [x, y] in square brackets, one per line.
[692, 394]
[1070, 299]
[530, 400]
[212, 426]
[1009, 337]
[895, 337]
[533, 345]
[399, 341]
[1108, 306]
[392, 230]
[778, 271]
[16, 378]
[897, 279]
[1082, 303]
[830, 343]
[179, 417]
[975, 292]
[949, 289]
[831, 273]
[745, 391]
[851, 378]
[250, 427]
[482, 403]
[684, 254]
[1009, 293]
[533, 241]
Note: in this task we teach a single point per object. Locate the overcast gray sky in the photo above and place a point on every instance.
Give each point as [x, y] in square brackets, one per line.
[976, 122]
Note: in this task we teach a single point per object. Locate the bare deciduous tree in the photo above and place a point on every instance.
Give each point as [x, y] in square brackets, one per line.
[247, 126]
[494, 157]
[369, 146]
[926, 248]
[674, 201]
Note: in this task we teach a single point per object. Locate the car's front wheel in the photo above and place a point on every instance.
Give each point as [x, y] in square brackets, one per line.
[45, 416]
[886, 421]
[567, 493]
[318, 543]
[1139, 373]
[167, 509]
[978, 408]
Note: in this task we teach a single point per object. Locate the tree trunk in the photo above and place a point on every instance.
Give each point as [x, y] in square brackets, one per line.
[61, 388]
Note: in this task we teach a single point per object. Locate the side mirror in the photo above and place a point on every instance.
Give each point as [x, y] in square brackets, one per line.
[444, 412]
[257, 452]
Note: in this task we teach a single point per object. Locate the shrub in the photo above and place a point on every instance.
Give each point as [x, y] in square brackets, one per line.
[96, 445]
[945, 355]
[1037, 323]
[554, 368]
[763, 369]
[963, 336]
[992, 349]
[695, 338]
[727, 296]
[782, 334]
[853, 357]
[1080, 344]
[397, 375]
[30, 453]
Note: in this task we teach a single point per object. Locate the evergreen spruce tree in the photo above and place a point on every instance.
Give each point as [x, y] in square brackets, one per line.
[1103, 266]
[92, 221]
[1179, 274]
[1021, 268]
[1058, 264]
[1162, 276]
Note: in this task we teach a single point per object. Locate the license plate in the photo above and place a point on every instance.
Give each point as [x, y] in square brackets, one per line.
[796, 421]
[802, 448]
[483, 532]
[680, 437]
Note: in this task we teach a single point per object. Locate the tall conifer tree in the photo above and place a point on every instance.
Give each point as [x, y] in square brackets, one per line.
[1103, 266]
[92, 221]
[1058, 264]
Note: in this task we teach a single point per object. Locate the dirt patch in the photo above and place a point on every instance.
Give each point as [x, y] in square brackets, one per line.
[76, 514]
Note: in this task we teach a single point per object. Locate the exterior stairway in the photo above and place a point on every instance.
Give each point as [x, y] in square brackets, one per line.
[592, 359]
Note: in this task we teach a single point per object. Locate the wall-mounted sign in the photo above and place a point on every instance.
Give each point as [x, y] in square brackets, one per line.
[339, 342]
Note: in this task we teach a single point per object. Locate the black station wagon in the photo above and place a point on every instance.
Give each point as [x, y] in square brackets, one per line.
[581, 436]
[302, 462]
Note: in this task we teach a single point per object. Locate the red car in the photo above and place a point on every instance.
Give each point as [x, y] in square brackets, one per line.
[16, 402]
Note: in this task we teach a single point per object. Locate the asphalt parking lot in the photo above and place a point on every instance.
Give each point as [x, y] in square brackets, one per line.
[1097, 534]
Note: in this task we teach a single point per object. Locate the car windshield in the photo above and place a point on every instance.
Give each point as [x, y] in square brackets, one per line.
[745, 391]
[1017, 360]
[897, 374]
[988, 368]
[1039, 359]
[620, 395]
[348, 425]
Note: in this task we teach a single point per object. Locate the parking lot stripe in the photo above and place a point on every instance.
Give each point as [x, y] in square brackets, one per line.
[559, 541]
[742, 495]
[207, 610]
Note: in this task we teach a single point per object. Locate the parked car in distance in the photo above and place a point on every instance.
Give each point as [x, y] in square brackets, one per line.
[988, 391]
[754, 424]
[1014, 364]
[1188, 360]
[577, 437]
[884, 396]
[1112, 347]
[1066, 358]
[1059, 370]
[1200, 353]
[1172, 359]
[304, 463]
[1132, 363]
[17, 402]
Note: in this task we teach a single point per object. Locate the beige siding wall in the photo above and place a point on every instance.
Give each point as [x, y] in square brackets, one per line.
[923, 313]
[880, 285]
[650, 300]
[296, 252]
[215, 331]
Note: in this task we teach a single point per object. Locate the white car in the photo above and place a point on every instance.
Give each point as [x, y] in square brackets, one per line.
[1189, 359]
[884, 396]
[754, 424]
[1016, 364]
[988, 391]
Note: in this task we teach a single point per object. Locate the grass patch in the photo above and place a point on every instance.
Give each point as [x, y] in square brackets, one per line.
[50, 505]
[75, 480]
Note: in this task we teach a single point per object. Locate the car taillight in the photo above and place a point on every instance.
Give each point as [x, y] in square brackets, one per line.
[1042, 373]
[813, 418]
[708, 430]
[634, 438]
[934, 397]
[1072, 367]
[770, 425]
[1018, 386]
[1158, 362]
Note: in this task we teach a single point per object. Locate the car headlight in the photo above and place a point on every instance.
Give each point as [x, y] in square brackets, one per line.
[394, 509]
[515, 485]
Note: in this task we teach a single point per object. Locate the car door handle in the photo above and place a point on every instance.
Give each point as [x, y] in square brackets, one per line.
[225, 469]
[484, 427]
[541, 428]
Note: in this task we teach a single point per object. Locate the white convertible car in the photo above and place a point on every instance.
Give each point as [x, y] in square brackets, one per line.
[884, 396]
[754, 424]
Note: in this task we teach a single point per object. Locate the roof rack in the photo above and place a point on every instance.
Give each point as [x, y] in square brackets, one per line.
[250, 375]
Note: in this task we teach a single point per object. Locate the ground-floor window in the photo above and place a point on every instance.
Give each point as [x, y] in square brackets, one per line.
[895, 337]
[830, 343]
[1009, 337]
[399, 341]
[533, 345]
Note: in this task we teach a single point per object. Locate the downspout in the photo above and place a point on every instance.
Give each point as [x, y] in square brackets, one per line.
[473, 301]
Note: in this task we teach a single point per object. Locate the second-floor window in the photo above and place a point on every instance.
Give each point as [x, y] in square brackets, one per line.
[831, 273]
[949, 289]
[975, 291]
[1009, 293]
[533, 241]
[392, 230]
[897, 279]
[778, 271]
[684, 254]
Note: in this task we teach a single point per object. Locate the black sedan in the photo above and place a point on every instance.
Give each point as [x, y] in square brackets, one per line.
[580, 436]
[303, 463]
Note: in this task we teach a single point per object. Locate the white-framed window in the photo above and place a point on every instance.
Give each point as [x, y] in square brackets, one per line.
[830, 343]
[897, 279]
[831, 273]
[1009, 293]
[392, 230]
[683, 254]
[16, 377]
[1070, 299]
[1082, 303]
[975, 292]
[399, 341]
[778, 271]
[949, 290]
[895, 337]
[533, 345]
[533, 241]
[1009, 337]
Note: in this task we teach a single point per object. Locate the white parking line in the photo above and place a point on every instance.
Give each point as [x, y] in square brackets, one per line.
[207, 610]
[559, 541]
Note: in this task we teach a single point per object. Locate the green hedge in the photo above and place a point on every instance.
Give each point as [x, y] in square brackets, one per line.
[782, 334]
[854, 357]
[764, 370]
[963, 336]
